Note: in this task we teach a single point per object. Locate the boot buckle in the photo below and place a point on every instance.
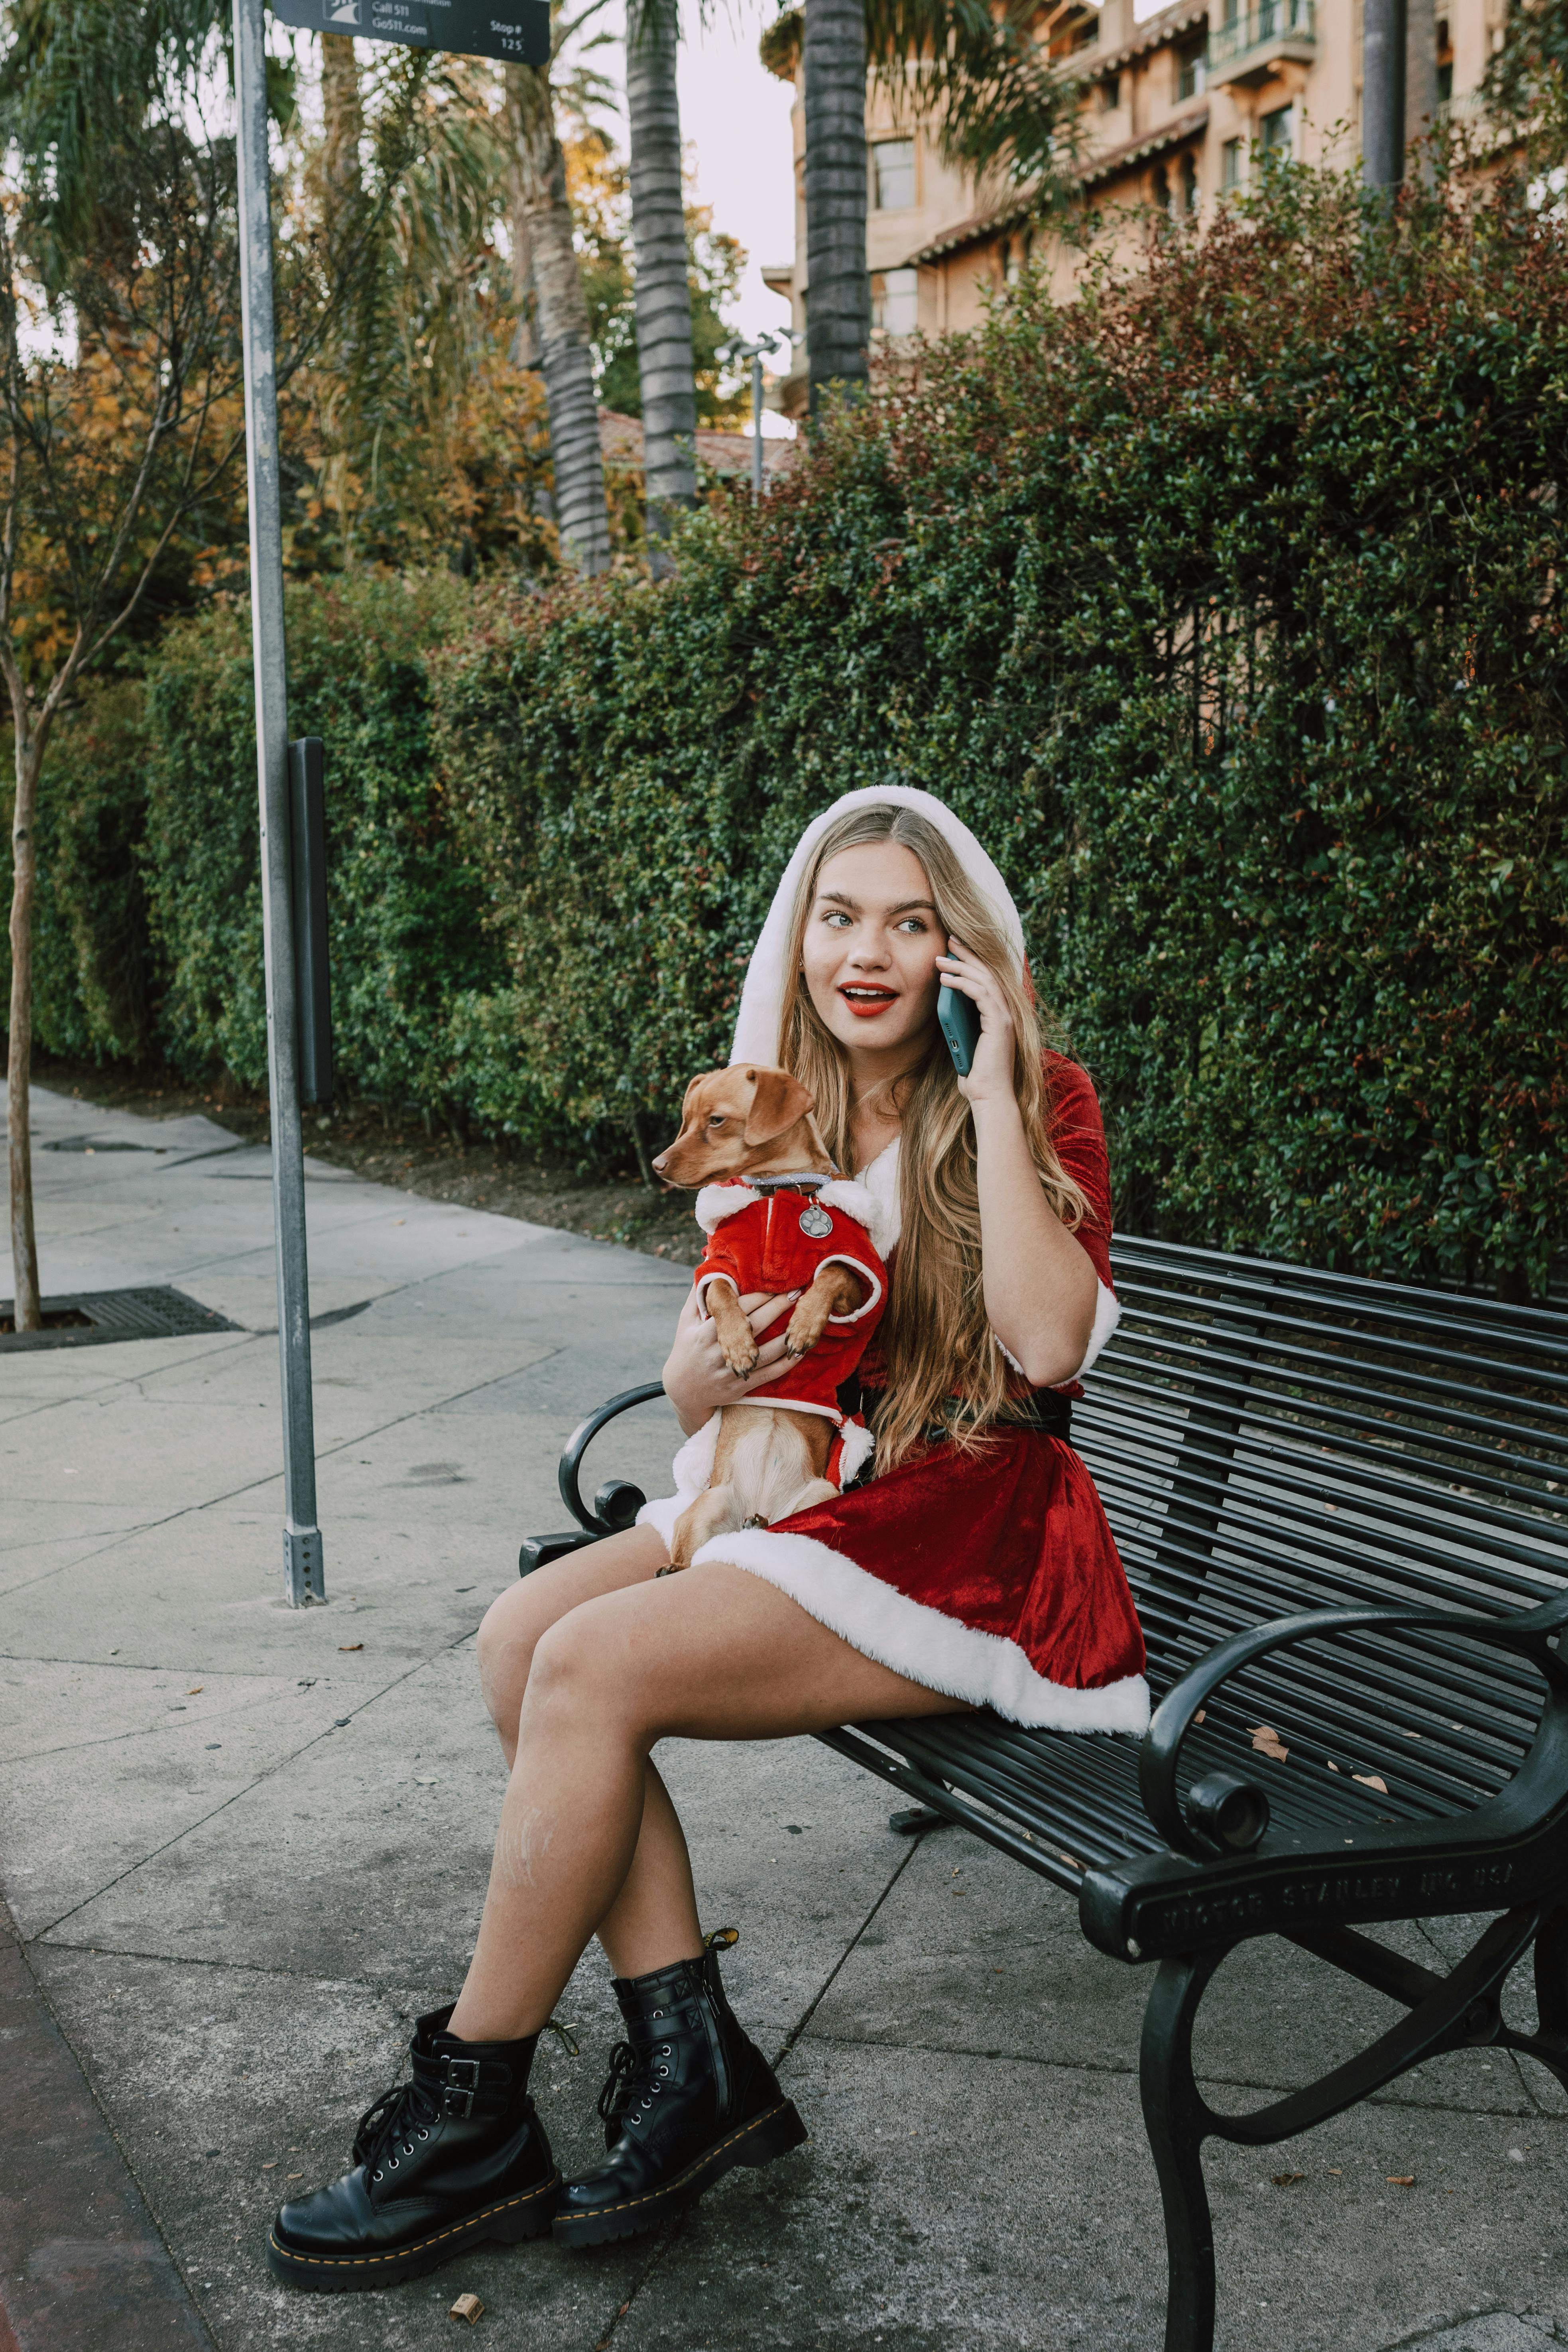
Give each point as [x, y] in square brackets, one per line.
[457, 2094]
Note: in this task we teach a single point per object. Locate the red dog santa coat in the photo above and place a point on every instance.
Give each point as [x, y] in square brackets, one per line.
[773, 1238]
[993, 1574]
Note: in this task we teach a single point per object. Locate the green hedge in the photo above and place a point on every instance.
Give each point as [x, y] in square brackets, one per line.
[1228, 607]
[150, 900]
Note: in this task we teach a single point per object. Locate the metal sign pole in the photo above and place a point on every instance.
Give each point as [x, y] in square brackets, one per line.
[304, 1572]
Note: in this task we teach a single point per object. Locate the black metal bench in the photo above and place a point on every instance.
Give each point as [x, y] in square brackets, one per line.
[1344, 1508]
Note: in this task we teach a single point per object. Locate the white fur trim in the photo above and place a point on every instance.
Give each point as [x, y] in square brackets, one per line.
[857, 1267]
[881, 1179]
[940, 1651]
[761, 998]
[716, 1202]
[692, 1470]
[860, 1444]
[857, 1199]
[792, 1404]
[1106, 1315]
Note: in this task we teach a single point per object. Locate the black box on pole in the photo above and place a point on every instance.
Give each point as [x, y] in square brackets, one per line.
[313, 983]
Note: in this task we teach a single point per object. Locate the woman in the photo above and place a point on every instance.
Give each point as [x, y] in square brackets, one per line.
[974, 1569]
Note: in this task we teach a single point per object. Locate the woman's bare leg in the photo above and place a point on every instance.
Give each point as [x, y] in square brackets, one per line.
[653, 1920]
[713, 1654]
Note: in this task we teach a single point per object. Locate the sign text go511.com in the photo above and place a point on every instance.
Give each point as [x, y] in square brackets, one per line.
[517, 31]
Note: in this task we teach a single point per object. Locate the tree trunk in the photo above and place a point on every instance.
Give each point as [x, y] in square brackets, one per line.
[561, 315]
[19, 1056]
[838, 288]
[663, 291]
[343, 122]
[1420, 78]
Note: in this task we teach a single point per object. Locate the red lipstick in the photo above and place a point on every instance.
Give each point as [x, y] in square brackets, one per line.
[867, 999]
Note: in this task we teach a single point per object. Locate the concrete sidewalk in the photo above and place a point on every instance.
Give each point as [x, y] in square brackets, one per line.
[243, 1846]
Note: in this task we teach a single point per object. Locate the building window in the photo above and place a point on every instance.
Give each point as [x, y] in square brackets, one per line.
[1016, 254]
[1086, 35]
[1231, 165]
[1191, 69]
[1445, 63]
[1111, 93]
[1279, 131]
[1189, 184]
[893, 163]
[896, 301]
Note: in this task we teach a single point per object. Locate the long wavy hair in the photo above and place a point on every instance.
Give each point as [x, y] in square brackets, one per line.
[944, 1361]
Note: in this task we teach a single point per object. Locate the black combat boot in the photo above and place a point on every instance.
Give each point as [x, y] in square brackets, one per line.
[455, 2155]
[689, 2095]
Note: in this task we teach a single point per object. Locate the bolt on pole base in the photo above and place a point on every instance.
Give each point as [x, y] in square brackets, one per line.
[304, 1567]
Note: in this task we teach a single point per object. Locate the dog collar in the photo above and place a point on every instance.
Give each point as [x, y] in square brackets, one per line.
[807, 1182]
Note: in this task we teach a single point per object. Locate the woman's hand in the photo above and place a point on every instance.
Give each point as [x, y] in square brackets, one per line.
[989, 1076]
[697, 1379]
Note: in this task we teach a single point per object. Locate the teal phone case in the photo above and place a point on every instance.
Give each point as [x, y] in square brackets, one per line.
[958, 1017]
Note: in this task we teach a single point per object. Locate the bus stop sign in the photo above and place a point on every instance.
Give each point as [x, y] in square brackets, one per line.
[517, 31]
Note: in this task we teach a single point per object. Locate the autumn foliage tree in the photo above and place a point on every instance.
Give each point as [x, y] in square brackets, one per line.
[119, 400]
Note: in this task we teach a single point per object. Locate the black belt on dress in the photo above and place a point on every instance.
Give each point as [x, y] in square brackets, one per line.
[1046, 1410]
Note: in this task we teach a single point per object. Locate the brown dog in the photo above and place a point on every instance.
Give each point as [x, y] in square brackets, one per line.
[738, 1124]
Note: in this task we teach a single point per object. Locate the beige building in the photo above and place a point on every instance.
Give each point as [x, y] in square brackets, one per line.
[1173, 113]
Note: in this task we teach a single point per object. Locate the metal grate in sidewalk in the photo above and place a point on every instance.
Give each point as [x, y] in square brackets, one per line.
[91, 1318]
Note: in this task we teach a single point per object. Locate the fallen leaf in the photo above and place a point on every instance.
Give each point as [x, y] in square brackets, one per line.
[1332, 1766]
[467, 2307]
[1371, 1780]
[293, 2175]
[194, 1692]
[1336, 2171]
[1200, 1715]
[402, 1220]
[1401, 2180]
[270, 2168]
[359, 1646]
[1266, 1741]
[1284, 2180]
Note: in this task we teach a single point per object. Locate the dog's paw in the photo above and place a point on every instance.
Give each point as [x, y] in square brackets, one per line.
[806, 1326]
[742, 1358]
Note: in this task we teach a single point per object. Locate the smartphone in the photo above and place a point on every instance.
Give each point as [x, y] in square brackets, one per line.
[959, 1018]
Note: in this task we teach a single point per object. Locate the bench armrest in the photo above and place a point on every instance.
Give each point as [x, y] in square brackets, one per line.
[614, 1508]
[1528, 1630]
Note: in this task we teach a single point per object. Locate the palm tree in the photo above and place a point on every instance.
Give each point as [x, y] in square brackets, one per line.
[343, 127]
[543, 230]
[662, 289]
[981, 78]
[838, 291]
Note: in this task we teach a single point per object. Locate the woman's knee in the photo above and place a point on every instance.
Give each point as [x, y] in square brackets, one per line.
[584, 1664]
[509, 1634]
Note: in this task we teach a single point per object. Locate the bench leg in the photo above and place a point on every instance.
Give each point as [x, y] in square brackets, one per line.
[1176, 2118]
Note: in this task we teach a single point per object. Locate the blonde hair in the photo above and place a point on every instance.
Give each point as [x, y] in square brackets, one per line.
[944, 1361]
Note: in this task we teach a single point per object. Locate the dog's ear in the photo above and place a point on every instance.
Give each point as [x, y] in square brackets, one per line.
[687, 1099]
[779, 1101]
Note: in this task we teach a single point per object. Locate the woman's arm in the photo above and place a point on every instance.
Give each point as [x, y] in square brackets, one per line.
[1040, 1287]
[697, 1379]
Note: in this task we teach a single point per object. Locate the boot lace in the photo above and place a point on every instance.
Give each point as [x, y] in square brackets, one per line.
[391, 2126]
[636, 2079]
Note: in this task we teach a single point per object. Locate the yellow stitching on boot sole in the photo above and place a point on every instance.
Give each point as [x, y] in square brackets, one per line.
[598, 2212]
[363, 2261]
